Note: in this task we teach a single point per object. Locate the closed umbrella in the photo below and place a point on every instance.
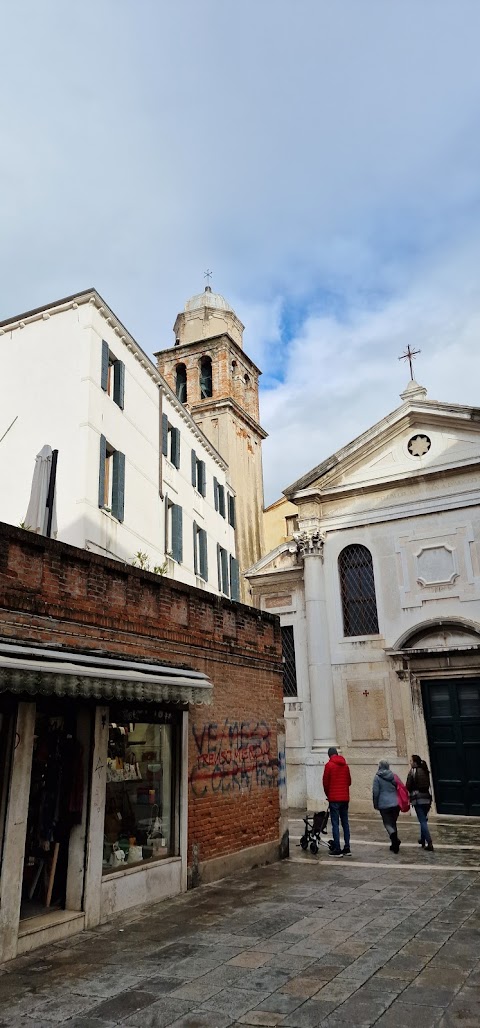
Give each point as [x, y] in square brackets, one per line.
[41, 516]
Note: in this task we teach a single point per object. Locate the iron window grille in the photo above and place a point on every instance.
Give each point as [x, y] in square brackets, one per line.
[357, 584]
[288, 658]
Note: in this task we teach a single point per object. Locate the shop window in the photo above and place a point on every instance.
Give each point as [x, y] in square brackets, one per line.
[140, 790]
[199, 478]
[205, 377]
[170, 442]
[111, 482]
[181, 382]
[357, 583]
[113, 376]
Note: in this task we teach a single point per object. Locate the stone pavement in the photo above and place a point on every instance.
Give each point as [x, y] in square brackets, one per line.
[316, 940]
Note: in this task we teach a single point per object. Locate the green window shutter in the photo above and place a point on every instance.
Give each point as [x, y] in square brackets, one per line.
[101, 473]
[175, 456]
[231, 510]
[119, 383]
[221, 500]
[219, 567]
[118, 485]
[194, 468]
[105, 354]
[177, 533]
[224, 560]
[202, 485]
[203, 554]
[195, 561]
[164, 435]
[215, 493]
[234, 579]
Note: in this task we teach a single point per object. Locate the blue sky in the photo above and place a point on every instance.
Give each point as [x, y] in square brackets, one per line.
[322, 158]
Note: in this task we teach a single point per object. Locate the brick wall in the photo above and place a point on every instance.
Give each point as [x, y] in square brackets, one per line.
[57, 595]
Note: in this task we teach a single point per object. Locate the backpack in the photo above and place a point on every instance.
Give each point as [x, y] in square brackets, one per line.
[403, 796]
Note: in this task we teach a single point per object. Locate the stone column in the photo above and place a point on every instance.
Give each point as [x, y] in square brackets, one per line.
[310, 545]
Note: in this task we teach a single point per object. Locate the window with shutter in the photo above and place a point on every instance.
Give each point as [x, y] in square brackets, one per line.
[202, 478]
[221, 500]
[231, 510]
[234, 579]
[102, 499]
[177, 533]
[195, 547]
[119, 383]
[105, 363]
[224, 560]
[219, 567]
[194, 469]
[118, 485]
[202, 540]
[215, 493]
[164, 435]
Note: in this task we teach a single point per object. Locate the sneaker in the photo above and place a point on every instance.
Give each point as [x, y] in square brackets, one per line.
[347, 851]
[335, 853]
[421, 842]
[430, 847]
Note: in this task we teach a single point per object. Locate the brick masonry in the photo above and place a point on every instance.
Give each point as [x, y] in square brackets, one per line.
[52, 594]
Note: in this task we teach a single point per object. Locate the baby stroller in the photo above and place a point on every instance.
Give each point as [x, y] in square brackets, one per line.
[315, 827]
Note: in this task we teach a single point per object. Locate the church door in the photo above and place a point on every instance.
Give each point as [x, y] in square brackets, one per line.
[452, 714]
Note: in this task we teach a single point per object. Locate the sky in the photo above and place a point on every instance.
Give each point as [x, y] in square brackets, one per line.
[322, 158]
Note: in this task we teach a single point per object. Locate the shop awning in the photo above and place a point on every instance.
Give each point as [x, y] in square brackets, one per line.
[32, 670]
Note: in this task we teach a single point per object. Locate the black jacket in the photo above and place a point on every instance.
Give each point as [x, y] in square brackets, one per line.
[418, 784]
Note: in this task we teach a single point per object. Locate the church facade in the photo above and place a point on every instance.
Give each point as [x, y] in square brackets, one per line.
[377, 585]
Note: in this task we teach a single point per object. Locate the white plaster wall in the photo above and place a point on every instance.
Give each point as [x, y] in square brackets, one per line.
[51, 378]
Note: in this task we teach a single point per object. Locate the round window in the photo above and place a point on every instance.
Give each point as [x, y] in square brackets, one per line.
[419, 445]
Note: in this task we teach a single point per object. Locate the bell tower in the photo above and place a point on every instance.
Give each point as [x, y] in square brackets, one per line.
[211, 374]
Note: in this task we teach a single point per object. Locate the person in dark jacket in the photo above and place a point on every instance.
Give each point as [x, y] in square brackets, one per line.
[385, 800]
[418, 785]
[336, 786]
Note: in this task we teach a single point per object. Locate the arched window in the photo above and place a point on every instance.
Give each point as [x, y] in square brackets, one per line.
[358, 591]
[205, 377]
[246, 379]
[181, 382]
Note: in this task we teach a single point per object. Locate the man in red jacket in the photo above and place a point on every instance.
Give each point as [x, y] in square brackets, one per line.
[336, 786]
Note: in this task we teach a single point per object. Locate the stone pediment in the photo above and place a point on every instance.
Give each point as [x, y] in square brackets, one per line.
[420, 439]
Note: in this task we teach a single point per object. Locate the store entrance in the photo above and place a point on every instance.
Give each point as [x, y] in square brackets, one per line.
[55, 806]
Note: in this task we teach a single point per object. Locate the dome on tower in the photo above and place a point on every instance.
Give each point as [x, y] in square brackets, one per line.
[208, 299]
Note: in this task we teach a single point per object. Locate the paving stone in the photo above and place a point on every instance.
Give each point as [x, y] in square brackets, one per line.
[364, 1009]
[280, 1003]
[199, 1019]
[249, 959]
[309, 1015]
[261, 1017]
[401, 1014]
[125, 1003]
[234, 1002]
[464, 1012]
[161, 1014]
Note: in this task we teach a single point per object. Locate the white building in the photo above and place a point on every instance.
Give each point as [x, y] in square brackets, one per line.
[378, 591]
[135, 473]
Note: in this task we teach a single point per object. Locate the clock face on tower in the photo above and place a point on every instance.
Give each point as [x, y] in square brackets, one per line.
[419, 445]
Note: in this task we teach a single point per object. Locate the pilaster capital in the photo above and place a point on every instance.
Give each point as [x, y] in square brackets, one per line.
[309, 540]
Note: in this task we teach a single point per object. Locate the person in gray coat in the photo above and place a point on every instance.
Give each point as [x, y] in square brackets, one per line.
[385, 800]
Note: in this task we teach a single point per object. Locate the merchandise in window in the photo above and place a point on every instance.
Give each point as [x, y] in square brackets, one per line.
[139, 807]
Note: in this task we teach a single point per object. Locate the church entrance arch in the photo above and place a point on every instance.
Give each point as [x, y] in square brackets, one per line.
[441, 660]
[452, 716]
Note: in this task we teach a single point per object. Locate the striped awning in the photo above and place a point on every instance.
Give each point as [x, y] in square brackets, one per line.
[32, 670]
